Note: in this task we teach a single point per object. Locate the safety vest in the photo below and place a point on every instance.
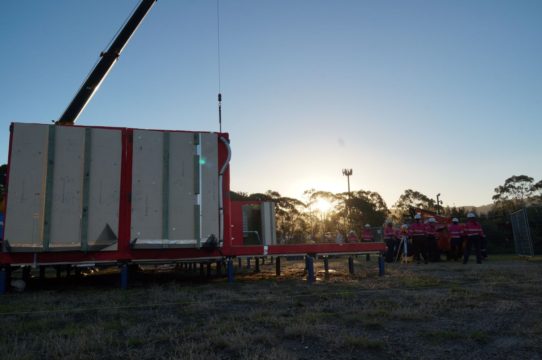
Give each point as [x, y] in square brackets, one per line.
[455, 230]
[431, 230]
[416, 229]
[367, 235]
[389, 232]
[473, 228]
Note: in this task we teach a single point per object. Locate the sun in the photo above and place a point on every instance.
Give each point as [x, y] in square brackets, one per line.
[323, 205]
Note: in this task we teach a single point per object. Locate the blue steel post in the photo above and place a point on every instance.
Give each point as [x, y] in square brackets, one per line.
[381, 265]
[239, 263]
[257, 264]
[3, 280]
[231, 274]
[368, 257]
[277, 266]
[309, 261]
[351, 265]
[124, 276]
[248, 263]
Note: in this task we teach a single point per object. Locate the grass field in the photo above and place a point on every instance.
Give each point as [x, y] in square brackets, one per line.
[441, 310]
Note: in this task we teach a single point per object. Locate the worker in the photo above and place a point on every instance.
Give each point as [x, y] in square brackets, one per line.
[456, 238]
[367, 235]
[390, 237]
[431, 239]
[339, 238]
[352, 237]
[403, 244]
[474, 234]
[416, 231]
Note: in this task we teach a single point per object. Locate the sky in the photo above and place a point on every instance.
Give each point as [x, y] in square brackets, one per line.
[431, 95]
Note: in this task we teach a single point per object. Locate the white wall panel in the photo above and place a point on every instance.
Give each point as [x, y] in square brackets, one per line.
[104, 189]
[67, 195]
[182, 198]
[147, 185]
[28, 167]
[209, 183]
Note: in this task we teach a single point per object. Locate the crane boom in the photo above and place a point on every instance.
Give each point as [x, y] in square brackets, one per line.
[107, 60]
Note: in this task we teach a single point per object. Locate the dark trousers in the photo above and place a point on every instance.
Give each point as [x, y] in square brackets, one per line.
[476, 241]
[392, 249]
[432, 248]
[455, 248]
[419, 247]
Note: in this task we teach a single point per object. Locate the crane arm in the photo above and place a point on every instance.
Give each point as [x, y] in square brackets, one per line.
[104, 65]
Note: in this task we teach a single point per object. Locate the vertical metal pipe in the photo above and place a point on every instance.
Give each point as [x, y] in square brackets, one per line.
[231, 274]
[277, 266]
[124, 276]
[381, 265]
[3, 280]
[309, 261]
[351, 265]
[257, 264]
[326, 265]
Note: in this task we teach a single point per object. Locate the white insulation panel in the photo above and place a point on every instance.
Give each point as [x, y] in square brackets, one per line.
[37, 220]
[28, 169]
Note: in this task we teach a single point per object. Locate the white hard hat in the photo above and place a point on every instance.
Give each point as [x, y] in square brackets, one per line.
[404, 226]
[455, 220]
[471, 215]
[367, 225]
[418, 216]
[389, 221]
[432, 220]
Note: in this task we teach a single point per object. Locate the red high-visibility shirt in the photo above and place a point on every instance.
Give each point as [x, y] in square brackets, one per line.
[389, 232]
[473, 228]
[416, 229]
[456, 231]
[430, 229]
[367, 235]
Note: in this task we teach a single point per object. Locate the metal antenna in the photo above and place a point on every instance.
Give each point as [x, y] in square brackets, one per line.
[219, 72]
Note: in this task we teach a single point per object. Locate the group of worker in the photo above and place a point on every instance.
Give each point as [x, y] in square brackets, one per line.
[420, 239]
[423, 240]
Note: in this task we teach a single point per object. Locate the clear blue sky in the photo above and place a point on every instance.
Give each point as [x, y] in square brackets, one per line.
[436, 96]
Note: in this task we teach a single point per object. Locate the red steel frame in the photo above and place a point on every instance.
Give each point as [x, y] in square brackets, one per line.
[125, 253]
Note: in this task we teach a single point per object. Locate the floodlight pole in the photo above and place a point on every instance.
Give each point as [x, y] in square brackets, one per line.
[438, 204]
[348, 173]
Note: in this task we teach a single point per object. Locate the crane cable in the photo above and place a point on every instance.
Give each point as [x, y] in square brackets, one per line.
[219, 70]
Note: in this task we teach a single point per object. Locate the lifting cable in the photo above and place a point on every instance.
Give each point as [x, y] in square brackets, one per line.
[219, 71]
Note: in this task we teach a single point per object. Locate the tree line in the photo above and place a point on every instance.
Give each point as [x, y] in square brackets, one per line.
[299, 221]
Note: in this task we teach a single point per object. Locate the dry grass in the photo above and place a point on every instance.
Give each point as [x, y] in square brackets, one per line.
[443, 310]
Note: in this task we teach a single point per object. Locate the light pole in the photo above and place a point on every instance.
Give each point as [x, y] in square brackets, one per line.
[438, 204]
[348, 173]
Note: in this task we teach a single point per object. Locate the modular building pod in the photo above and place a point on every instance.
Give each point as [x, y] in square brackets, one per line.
[96, 189]
[107, 195]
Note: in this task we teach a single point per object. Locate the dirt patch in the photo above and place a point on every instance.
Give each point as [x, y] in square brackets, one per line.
[441, 310]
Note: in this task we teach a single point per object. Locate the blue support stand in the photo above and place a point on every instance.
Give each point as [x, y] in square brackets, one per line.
[368, 257]
[351, 265]
[381, 265]
[257, 264]
[248, 263]
[124, 276]
[3, 281]
[309, 261]
[231, 274]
